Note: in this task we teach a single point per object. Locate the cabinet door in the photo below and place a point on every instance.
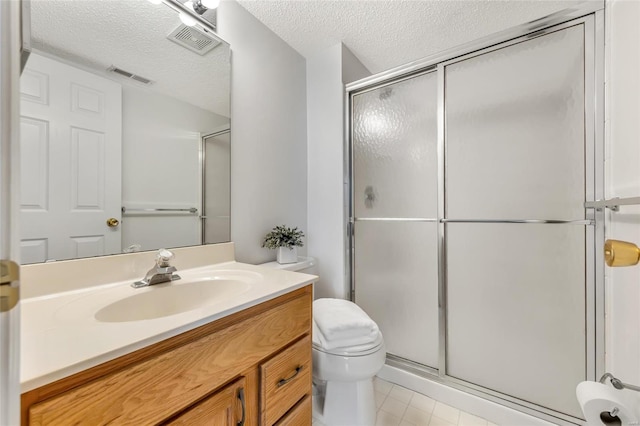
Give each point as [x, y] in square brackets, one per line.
[224, 408]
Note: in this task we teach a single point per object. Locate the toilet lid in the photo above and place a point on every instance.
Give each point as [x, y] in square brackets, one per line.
[358, 350]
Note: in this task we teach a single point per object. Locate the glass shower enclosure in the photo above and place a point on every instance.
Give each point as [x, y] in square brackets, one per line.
[471, 246]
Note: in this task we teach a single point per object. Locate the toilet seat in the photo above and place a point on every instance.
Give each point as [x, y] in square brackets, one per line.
[358, 350]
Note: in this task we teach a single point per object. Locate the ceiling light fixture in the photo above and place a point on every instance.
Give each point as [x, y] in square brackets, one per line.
[197, 6]
[201, 6]
[187, 19]
[210, 4]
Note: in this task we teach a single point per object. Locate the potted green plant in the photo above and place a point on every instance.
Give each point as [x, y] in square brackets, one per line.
[286, 240]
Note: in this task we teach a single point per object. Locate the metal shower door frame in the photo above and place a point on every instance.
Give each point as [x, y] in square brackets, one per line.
[203, 177]
[591, 15]
[594, 235]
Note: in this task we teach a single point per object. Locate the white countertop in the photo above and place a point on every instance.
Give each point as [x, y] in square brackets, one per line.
[60, 335]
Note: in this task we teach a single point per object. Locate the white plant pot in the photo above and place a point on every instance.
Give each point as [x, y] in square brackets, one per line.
[287, 255]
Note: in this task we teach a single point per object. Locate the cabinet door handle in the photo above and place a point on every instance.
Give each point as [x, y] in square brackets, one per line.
[241, 398]
[283, 382]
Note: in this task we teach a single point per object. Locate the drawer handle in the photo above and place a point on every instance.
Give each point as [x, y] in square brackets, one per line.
[241, 398]
[283, 382]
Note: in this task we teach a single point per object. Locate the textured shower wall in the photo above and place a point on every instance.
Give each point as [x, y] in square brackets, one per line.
[622, 134]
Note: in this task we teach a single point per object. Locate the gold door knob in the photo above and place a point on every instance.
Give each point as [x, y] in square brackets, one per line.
[621, 253]
[9, 291]
[112, 222]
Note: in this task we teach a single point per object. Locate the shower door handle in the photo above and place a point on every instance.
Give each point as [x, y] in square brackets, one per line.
[369, 196]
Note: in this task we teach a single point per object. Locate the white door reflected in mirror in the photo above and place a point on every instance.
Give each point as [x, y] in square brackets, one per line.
[71, 142]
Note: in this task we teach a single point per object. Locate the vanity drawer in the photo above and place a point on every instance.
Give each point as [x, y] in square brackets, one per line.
[286, 378]
[300, 415]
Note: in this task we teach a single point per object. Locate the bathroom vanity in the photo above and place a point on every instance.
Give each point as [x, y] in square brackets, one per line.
[244, 359]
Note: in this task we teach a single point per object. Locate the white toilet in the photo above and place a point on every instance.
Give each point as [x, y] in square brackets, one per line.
[342, 376]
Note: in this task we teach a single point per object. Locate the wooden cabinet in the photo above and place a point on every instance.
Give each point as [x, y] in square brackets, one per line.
[196, 377]
[225, 407]
[286, 379]
[299, 414]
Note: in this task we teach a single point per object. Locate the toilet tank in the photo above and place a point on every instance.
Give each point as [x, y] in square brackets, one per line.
[306, 265]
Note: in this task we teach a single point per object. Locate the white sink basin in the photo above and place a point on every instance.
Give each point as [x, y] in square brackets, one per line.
[164, 300]
[196, 290]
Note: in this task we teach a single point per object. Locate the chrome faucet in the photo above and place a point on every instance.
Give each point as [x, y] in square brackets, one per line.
[161, 273]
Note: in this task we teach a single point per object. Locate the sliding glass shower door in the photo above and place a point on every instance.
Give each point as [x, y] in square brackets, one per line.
[471, 246]
[515, 139]
[395, 210]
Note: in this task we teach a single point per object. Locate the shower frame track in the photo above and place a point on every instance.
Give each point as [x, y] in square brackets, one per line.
[591, 15]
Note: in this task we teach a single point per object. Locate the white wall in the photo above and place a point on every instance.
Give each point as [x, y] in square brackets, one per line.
[327, 72]
[622, 135]
[352, 68]
[268, 136]
[10, 202]
[325, 174]
[160, 167]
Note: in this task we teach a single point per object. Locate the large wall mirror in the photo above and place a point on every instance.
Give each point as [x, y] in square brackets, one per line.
[125, 131]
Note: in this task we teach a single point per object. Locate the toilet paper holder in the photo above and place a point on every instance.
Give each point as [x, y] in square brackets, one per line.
[617, 383]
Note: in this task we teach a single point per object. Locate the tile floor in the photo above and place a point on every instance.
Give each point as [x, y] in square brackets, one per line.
[398, 406]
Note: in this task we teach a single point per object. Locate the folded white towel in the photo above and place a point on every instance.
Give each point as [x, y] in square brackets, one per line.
[341, 321]
[354, 344]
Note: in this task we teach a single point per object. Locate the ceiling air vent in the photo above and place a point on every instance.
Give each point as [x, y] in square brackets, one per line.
[129, 75]
[193, 39]
[141, 79]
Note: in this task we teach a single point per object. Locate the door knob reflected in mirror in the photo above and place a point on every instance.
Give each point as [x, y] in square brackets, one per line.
[112, 222]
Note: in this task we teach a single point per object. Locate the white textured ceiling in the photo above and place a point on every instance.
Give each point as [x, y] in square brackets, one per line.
[386, 34]
[131, 34]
